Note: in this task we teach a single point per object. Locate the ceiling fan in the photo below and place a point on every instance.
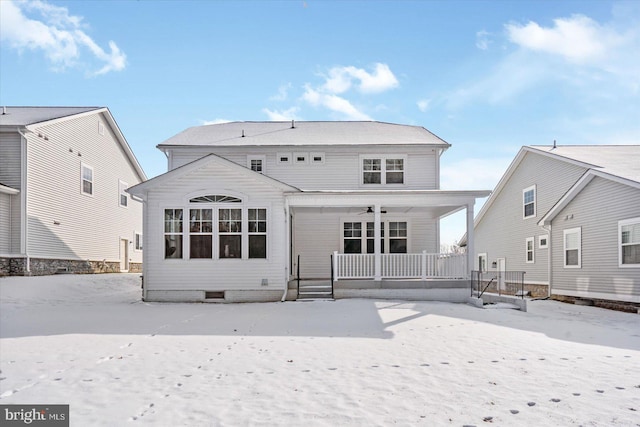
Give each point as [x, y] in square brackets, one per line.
[370, 211]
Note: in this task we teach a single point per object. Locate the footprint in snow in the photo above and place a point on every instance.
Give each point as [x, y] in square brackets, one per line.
[444, 363]
[555, 400]
[600, 391]
[514, 411]
[531, 403]
[576, 394]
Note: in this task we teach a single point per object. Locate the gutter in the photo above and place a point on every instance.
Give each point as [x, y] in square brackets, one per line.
[24, 198]
[288, 251]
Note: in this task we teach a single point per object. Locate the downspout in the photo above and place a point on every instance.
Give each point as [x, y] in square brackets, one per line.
[23, 198]
[549, 259]
[288, 249]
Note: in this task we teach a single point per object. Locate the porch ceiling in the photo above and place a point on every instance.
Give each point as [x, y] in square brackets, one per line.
[430, 212]
[436, 203]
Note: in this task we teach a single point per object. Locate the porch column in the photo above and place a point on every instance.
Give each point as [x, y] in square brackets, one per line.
[377, 247]
[470, 240]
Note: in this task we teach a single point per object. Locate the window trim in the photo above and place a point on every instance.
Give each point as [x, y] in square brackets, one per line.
[540, 238]
[482, 256]
[93, 179]
[383, 169]
[577, 230]
[534, 202]
[261, 158]
[122, 186]
[312, 158]
[531, 240]
[138, 244]
[621, 224]
[283, 155]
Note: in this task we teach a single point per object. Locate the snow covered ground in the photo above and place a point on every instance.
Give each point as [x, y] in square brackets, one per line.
[88, 341]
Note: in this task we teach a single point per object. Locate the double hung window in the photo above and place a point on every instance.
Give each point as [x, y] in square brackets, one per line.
[86, 179]
[257, 233]
[383, 170]
[529, 250]
[629, 238]
[200, 233]
[529, 202]
[173, 233]
[573, 248]
[230, 233]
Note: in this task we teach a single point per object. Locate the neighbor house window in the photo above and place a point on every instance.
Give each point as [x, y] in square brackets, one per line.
[257, 233]
[529, 249]
[173, 233]
[138, 241]
[123, 198]
[100, 128]
[256, 163]
[629, 238]
[543, 241]
[352, 233]
[482, 262]
[572, 248]
[230, 233]
[383, 170]
[200, 233]
[398, 237]
[87, 179]
[529, 202]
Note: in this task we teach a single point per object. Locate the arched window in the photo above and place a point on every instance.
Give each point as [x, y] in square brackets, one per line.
[215, 198]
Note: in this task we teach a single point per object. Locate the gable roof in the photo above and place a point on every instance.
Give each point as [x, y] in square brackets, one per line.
[614, 161]
[143, 187]
[23, 116]
[294, 133]
[28, 117]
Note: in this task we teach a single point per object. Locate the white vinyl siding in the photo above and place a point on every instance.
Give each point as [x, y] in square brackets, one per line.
[598, 209]
[629, 234]
[340, 170]
[530, 250]
[501, 232]
[11, 175]
[216, 274]
[90, 228]
[572, 248]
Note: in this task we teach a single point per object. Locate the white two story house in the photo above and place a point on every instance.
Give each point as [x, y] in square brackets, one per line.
[251, 211]
[63, 206]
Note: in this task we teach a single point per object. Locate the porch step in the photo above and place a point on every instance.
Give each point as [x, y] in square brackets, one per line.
[315, 290]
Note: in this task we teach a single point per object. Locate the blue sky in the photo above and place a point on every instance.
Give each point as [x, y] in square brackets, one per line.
[486, 76]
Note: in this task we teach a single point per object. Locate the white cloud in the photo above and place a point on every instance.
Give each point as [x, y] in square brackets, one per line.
[578, 38]
[341, 79]
[482, 40]
[282, 94]
[214, 121]
[423, 105]
[58, 34]
[333, 103]
[281, 116]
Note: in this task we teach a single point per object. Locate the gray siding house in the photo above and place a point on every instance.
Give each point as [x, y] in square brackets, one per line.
[568, 216]
[63, 205]
[247, 207]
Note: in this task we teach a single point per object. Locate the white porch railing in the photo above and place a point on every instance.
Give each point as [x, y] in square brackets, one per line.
[400, 266]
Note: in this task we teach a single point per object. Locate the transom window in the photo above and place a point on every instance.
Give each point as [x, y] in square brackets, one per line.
[87, 179]
[572, 248]
[383, 170]
[215, 198]
[629, 238]
[529, 202]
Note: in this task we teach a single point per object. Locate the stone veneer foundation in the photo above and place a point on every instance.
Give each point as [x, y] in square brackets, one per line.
[43, 267]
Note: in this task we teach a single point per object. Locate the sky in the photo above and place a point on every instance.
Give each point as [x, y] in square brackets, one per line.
[486, 76]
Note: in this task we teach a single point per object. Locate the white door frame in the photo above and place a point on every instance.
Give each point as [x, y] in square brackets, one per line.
[501, 267]
[124, 255]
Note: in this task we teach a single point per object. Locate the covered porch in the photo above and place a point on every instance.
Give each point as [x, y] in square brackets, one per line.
[376, 242]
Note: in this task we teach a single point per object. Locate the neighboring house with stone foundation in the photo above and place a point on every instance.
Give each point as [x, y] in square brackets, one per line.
[63, 205]
[569, 216]
[247, 208]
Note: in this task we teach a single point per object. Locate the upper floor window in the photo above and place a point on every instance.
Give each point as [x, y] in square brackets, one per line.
[383, 170]
[573, 248]
[123, 197]
[86, 179]
[138, 241]
[529, 202]
[317, 158]
[256, 163]
[629, 238]
[543, 241]
[284, 158]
